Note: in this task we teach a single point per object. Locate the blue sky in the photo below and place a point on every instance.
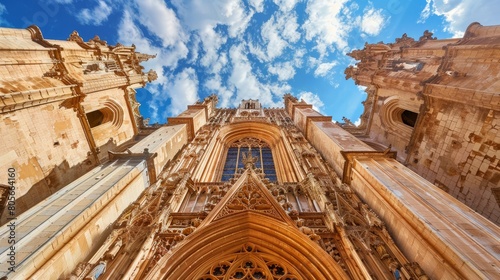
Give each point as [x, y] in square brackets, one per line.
[249, 49]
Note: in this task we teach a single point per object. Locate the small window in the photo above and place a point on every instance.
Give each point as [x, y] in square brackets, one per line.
[409, 118]
[98, 117]
[95, 118]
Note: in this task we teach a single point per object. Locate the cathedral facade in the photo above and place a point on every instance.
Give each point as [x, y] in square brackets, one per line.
[227, 193]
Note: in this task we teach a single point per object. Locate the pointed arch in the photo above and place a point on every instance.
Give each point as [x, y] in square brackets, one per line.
[276, 240]
[286, 169]
[263, 224]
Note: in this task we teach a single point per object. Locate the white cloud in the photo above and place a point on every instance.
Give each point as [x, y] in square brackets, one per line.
[182, 90]
[129, 33]
[244, 82]
[426, 12]
[3, 11]
[286, 5]
[288, 26]
[278, 32]
[199, 14]
[324, 68]
[321, 69]
[257, 50]
[328, 23]
[194, 49]
[357, 122]
[211, 41]
[96, 16]
[258, 5]
[161, 21]
[312, 99]
[284, 71]
[214, 84]
[278, 90]
[271, 35]
[298, 55]
[458, 14]
[372, 21]
[62, 1]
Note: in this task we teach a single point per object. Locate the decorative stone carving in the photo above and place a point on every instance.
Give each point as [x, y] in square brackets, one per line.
[249, 263]
[97, 40]
[98, 270]
[111, 254]
[404, 41]
[75, 37]
[249, 197]
[152, 76]
[350, 72]
[427, 36]
[307, 231]
[370, 216]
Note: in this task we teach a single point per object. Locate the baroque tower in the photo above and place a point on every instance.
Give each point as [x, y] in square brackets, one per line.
[247, 193]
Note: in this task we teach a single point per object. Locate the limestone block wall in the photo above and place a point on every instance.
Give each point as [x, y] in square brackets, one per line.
[458, 150]
[457, 146]
[455, 142]
[47, 147]
[448, 239]
[330, 139]
[386, 126]
[118, 127]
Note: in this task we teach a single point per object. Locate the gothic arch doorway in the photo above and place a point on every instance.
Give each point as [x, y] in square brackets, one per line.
[247, 245]
[247, 235]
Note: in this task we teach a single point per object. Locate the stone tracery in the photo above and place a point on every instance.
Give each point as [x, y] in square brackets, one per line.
[249, 263]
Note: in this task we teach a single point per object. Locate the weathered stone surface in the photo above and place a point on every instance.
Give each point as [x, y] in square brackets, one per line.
[453, 85]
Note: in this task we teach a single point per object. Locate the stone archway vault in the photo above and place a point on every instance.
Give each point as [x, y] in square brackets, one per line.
[275, 241]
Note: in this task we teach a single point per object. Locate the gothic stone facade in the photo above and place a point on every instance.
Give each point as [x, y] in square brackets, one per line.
[245, 193]
[437, 103]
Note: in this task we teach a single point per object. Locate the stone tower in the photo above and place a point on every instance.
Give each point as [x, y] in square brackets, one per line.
[63, 106]
[437, 103]
[248, 193]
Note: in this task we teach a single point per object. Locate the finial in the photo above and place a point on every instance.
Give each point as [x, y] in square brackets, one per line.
[249, 160]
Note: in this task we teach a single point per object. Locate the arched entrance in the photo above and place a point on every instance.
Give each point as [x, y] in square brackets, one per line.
[246, 236]
[247, 244]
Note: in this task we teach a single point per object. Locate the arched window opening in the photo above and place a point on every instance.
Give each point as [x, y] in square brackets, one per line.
[240, 150]
[99, 117]
[409, 118]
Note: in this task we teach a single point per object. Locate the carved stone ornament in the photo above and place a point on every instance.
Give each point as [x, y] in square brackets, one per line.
[75, 37]
[350, 72]
[97, 40]
[405, 41]
[427, 36]
[152, 76]
[249, 197]
[248, 263]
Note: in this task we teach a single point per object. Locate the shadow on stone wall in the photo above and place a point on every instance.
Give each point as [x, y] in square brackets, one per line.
[59, 177]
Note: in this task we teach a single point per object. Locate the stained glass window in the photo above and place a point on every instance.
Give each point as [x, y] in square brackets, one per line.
[242, 148]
